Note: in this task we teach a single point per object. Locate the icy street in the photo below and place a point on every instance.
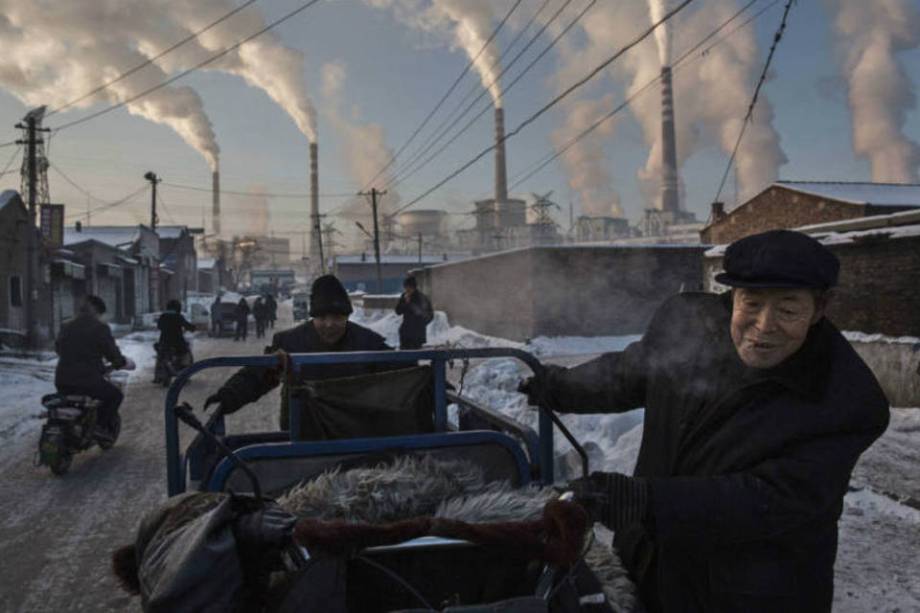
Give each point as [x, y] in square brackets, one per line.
[57, 534]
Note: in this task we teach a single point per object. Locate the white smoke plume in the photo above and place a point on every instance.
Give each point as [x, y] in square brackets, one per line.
[658, 9]
[586, 164]
[468, 23]
[364, 145]
[711, 94]
[870, 35]
[53, 53]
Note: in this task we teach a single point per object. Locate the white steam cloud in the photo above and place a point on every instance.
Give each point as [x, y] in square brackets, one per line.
[468, 23]
[53, 53]
[711, 94]
[658, 9]
[870, 35]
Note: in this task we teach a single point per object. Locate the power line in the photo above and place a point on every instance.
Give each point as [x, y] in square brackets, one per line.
[110, 205]
[488, 106]
[750, 111]
[151, 60]
[184, 73]
[6, 169]
[546, 107]
[549, 158]
[443, 99]
[259, 194]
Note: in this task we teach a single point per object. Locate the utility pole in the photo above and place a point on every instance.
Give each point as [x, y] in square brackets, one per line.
[31, 127]
[318, 236]
[419, 247]
[374, 193]
[154, 179]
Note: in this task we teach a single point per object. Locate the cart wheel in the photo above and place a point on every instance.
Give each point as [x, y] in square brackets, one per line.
[61, 463]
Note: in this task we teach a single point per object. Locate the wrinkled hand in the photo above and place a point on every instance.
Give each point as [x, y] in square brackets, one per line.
[265, 530]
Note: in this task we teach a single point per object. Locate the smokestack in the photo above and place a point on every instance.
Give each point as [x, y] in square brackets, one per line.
[669, 195]
[501, 176]
[215, 202]
[314, 204]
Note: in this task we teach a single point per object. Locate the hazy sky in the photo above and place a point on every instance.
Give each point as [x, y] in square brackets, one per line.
[365, 66]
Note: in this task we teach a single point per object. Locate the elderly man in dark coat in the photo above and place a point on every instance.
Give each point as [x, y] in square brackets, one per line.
[327, 330]
[417, 313]
[756, 411]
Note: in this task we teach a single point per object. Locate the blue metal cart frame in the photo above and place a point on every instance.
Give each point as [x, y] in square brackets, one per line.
[540, 450]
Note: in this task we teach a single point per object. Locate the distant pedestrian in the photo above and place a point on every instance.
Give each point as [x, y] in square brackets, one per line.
[215, 316]
[417, 313]
[260, 313]
[272, 308]
[242, 319]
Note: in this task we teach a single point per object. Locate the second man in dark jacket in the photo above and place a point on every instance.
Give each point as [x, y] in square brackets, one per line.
[417, 313]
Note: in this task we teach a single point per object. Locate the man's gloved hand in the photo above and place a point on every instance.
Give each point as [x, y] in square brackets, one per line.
[224, 400]
[536, 387]
[613, 499]
[264, 530]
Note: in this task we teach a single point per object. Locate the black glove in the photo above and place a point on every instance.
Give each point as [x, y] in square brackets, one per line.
[264, 530]
[536, 388]
[613, 499]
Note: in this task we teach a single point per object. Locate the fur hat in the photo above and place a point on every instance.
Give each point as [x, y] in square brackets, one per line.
[328, 297]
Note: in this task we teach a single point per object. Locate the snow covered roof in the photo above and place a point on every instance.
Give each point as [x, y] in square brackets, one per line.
[171, 231]
[206, 263]
[115, 236]
[879, 194]
[8, 195]
[388, 259]
[843, 238]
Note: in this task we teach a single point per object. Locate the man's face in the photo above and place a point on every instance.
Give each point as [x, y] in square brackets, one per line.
[769, 325]
[409, 289]
[330, 328]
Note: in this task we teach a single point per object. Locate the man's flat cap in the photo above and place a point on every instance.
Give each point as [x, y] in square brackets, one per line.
[779, 258]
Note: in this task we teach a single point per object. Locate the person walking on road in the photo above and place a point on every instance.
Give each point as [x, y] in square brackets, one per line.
[415, 308]
[756, 411]
[272, 309]
[260, 315]
[242, 320]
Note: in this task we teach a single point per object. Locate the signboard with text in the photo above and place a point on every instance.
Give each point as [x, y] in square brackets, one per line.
[52, 224]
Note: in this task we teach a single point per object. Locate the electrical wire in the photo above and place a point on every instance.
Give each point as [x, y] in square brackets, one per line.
[259, 194]
[184, 73]
[6, 169]
[552, 103]
[443, 99]
[549, 158]
[110, 205]
[778, 36]
[151, 60]
[405, 175]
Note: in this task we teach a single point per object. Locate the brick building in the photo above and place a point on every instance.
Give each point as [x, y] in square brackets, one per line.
[791, 204]
[178, 262]
[566, 290]
[14, 239]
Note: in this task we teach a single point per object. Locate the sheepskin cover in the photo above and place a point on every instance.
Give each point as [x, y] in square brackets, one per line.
[415, 486]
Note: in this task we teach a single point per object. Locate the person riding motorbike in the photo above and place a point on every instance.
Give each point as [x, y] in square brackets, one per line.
[171, 324]
[84, 345]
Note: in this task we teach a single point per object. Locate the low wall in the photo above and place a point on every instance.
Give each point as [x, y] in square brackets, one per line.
[565, 290]
[894, 362]
[380, 301]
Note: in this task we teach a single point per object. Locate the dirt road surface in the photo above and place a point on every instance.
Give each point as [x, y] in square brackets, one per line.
[57, 533]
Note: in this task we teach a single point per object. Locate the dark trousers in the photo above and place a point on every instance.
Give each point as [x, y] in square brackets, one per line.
[242, 329]
[110, 398]
[411, 343]
[260, 328]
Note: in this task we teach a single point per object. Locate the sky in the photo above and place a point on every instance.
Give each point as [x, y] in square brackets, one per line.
[373, 74]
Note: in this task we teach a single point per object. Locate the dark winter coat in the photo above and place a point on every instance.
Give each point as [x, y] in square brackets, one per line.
[242, 311]
[417, 314]
[82, 345]
[251, 383]
[259, 310]
[747, 469]
[271, 306]
[171, 324]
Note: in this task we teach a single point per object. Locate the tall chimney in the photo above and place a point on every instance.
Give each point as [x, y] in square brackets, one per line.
[669, 196]
[314, 206]
[501, 176]
[215, 202]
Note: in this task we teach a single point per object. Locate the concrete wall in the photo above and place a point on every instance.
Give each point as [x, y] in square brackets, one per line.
[573, 291]
[895, 366]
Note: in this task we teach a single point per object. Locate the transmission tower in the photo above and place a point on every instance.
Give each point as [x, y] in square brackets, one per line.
[31, 126]
[541, 206]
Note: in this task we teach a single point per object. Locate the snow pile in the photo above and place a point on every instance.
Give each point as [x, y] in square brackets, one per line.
[862, 337]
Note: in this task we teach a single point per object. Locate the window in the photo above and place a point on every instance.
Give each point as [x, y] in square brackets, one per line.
[16, 291]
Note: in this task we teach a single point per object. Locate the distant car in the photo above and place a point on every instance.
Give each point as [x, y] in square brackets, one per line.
[301, 305]
[199, 316]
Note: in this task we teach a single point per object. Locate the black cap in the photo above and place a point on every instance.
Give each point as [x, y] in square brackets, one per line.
[410, 282]
[97, 303]
[328, 297]
[779, 258]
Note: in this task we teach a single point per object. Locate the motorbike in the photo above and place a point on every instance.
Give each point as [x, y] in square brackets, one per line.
[170, 363]
[70, 428]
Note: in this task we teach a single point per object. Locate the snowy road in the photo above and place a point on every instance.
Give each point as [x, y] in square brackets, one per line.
[57, 534]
